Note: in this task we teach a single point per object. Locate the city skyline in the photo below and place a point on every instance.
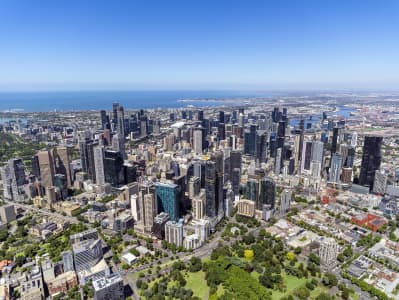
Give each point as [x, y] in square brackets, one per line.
[265, 45]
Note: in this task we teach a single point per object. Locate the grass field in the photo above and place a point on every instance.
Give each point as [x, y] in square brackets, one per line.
[196, 282]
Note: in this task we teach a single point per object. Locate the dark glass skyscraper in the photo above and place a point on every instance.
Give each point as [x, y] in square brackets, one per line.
[371, 160]
[250, 140]
[213, 189]
[113, 168]
[267, 192]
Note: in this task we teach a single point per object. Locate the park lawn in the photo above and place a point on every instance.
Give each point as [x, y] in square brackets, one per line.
[319, 289]
[197, 283]
[292, 283]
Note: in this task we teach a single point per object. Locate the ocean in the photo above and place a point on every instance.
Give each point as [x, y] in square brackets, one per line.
[95, 100]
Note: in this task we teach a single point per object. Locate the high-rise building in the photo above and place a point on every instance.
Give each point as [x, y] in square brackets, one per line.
[104, 119]
[174, 233]
[60, 182]
[335, 169]
[317, 151]
[47, 170]
[250, 140]
[113, 168]
[198, 206]
[99, 164]
[87, 254]
[221, 117]
[198, 141]
[371, 160]
[118, 144]
[328, 251]
[115, 109]
[121, 122]
[135, 208]
[84, 139]
[267, 192]
[380, 182]
[194, 186]
[229, 201]
[143, 126]
[167, 199]
[261, 146]
[252, 191]
[335, 139]
[306, 156]
[7, 213]
[67, 261]
[35, 166]
[63, 164]
[235, 180]
[285, 201]
[150, 211]
[158, 229]
[354, 139]
[277, 161]
[213, 189]
[13, 177]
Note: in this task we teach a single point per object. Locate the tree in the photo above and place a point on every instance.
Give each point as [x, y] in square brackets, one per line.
[249, 254]
[324, 296]
[302, 293]
[330, 280]
[290, 256]
[298, 250]
[313, 258]
[195, 264]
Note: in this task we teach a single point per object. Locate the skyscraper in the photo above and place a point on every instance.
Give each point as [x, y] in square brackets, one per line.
[113, 168]
[167, 199]
[47, 170]
[104, 119]
[63, 164]
[150, 211]
[87, 157]
[306, 156]
[261, 146]
[99, 164]
[335, 169]
[285, 201]
[371, 160]
[250, 140]
[13, 177]
[267, 192]
[213, 189]
[198, 141]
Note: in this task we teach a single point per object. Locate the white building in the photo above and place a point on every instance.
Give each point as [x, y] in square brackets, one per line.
[174, 233]
[328, 250]
[109, 287]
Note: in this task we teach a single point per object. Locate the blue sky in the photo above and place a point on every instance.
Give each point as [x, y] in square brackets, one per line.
[216, 44]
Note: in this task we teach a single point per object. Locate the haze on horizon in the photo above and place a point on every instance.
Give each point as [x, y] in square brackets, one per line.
[239, 45]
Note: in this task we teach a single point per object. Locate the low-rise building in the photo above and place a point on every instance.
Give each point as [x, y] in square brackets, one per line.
[109, 287]
[62, 283]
